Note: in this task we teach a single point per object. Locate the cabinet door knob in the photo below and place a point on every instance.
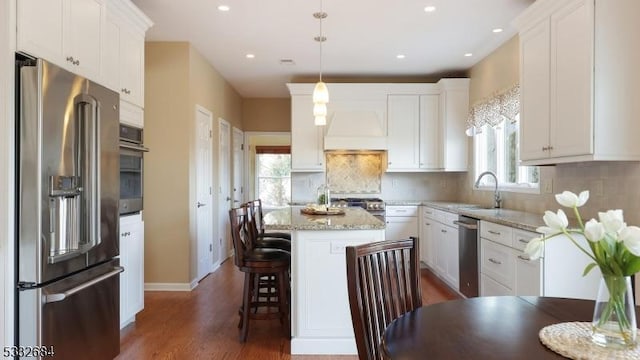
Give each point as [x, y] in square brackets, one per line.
[545, 148]
[493, 232]
[495, 261]
[444, 231]
[70, 59]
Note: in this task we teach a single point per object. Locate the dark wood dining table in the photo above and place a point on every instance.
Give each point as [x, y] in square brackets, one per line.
[495, 327]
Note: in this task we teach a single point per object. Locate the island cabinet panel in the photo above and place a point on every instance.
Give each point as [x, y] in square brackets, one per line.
[321, 319]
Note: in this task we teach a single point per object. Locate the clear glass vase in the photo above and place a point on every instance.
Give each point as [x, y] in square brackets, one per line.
[614, 317]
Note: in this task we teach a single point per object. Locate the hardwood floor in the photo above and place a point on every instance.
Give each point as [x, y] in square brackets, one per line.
[202, 324]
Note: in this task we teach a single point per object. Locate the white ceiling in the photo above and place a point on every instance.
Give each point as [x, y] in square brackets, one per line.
[363, 37]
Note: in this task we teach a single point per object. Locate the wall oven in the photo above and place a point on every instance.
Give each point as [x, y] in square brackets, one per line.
[131, 169]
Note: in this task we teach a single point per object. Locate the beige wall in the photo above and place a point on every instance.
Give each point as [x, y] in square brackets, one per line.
[176, 79]
[498, 71]
[210, 90]
[166, 181]
[613, 185]
[268, 114]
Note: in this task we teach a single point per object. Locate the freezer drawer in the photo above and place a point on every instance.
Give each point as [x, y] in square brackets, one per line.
[78, 316]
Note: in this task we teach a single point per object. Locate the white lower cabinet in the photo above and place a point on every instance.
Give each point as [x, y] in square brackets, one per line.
[427, 245]
[132, 259]
[441, 238]
[528, 276]
[401, 222]
[504, 268]
[490, 287]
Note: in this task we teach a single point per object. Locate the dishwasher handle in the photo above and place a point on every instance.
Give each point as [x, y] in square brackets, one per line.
[465, 225]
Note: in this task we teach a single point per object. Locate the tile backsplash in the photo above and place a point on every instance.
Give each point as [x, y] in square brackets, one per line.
[355, 172]
[612, 185]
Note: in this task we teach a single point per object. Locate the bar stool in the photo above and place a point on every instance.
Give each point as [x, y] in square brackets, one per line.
[255, 208]
[267, 263]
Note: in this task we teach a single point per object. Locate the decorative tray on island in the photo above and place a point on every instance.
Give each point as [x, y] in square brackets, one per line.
[313, 209]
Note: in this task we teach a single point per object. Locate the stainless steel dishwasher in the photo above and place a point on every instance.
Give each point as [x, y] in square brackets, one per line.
[468, 255]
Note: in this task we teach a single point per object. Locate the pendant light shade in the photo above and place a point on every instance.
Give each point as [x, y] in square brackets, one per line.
[319, 109]
[320, 93]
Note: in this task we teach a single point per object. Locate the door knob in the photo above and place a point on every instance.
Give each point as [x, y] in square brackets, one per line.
[201, 204]
[228, 198]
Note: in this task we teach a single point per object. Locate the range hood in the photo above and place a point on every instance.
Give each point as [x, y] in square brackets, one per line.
[356, 130]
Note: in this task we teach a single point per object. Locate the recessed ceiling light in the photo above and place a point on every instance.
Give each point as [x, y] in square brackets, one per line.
[224, 8]
[430, 9]
[400, 56]
[497, 30]
[287, 62]
[250, 56]
[468, 54]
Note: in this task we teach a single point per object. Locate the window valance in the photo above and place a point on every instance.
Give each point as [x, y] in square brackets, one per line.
[503, 105]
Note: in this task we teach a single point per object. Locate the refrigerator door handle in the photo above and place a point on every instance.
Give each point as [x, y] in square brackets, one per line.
[50, 298]
[89, 113]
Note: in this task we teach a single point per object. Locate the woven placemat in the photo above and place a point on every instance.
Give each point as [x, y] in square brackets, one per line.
[573, 340]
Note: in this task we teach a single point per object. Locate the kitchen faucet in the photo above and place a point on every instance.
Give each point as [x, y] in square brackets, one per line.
[496, 195]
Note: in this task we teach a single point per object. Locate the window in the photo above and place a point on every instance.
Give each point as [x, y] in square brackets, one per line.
[494, 123]
[497, 149]
[273, 175]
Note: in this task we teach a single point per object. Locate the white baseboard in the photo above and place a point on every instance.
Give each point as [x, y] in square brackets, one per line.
[170, 286]
[324, 346]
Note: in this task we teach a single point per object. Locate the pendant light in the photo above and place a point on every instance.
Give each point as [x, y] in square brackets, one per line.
[320, 91]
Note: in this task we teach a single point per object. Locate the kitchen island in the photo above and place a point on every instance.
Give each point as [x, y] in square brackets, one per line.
[320, 316]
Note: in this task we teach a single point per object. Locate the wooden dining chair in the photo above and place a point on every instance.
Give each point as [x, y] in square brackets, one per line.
[383, 281]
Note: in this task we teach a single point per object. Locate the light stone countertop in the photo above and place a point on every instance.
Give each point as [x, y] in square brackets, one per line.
[513, 218]
[291, 219]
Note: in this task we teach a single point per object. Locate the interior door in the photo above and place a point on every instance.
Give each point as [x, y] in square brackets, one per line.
[204, 201]
[224, 188]
[238, 167]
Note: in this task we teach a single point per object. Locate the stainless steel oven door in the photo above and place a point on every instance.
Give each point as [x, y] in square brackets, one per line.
[131, 180]
[76, 317]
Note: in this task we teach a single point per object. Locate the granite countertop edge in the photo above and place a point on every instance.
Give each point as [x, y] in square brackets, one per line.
[292, 219]
[513, 218]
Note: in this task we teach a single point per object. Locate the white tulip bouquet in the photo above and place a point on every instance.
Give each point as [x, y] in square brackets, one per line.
[613, 246]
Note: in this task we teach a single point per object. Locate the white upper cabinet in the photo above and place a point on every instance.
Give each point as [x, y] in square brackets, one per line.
[413, 132]
[430, 145]
[123, 68]
[403, 133]
[306, 138]
[426, 131]
[454, 111]
[422, 126]
[67, 33]
[578, 61]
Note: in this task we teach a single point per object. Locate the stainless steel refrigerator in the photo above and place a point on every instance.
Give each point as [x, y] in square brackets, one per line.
[67, 210]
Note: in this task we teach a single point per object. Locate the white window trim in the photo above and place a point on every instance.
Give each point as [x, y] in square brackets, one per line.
[481, 163]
